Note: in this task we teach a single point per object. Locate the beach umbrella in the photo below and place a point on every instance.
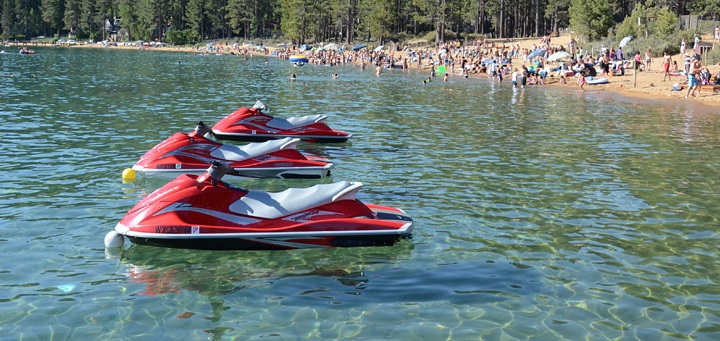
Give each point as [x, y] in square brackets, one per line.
[379, 48]
[536, 53]
[359, 47]
[332, 46]
[560, 55]
[624, 41]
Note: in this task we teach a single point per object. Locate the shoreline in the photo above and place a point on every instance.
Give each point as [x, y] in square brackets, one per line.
[650, 84]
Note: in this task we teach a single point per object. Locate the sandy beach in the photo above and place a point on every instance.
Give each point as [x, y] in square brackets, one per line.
[645, 85]
[648, 85]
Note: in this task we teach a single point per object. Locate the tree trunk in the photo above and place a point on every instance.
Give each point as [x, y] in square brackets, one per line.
[302, 30]
[501, 33]
[537, 18]
[351, 20]
[482, 17]
[477, 22]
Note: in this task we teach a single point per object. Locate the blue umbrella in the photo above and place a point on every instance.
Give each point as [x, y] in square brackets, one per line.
[624, 41]
[536, 53]
[359, 47]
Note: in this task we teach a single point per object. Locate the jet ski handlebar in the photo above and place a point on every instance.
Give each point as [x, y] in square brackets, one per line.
[219, 169]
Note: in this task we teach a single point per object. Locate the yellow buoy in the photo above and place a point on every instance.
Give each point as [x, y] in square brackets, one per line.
[128, 174]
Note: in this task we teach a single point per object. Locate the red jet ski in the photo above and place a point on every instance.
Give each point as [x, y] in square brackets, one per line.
[203, 212]
[253, 125]
[193, 153]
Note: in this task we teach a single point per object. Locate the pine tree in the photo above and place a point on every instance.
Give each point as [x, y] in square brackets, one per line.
[53, 12]
[591, 18]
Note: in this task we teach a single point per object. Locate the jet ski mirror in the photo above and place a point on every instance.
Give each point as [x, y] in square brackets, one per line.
[260, 105]
[203, 130]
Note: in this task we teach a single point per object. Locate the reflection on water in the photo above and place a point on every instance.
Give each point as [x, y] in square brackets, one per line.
[540, 213]
[165, 271]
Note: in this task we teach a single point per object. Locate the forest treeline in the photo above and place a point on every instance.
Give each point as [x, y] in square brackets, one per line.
[184, 21]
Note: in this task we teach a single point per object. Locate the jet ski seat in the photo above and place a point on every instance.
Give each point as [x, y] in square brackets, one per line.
[275, 205]
[294, 122]
[239, 153]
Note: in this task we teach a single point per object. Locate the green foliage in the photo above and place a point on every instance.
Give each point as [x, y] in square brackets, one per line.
[643, 21]
[666, 22]
[324, 20]
[294, 19]
[127, 10]
[712, 57]
[429, 37]
[146, 18]
[379, 15]
[657, 44]
[628, 27]
[590, 18]
[72, 14]
[6, 20]
[195, 16]
[433, 12]
[240, 15]
[53, 12]
[181, 37]
[706, 8]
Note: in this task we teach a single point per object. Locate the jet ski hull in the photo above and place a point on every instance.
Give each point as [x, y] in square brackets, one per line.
[255, 126]
[257, 173]
[271, 242]
[203, 212]
[191, 154]
[244, 137]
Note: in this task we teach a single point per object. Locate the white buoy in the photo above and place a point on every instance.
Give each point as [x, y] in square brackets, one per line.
[114, 239]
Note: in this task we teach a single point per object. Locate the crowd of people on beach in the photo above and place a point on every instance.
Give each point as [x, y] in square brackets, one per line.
[524, 66]
[455, 58]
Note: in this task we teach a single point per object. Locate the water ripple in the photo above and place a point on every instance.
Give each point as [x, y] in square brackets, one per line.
[539, 214]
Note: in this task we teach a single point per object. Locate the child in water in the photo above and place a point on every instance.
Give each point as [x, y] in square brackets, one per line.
[581, 81]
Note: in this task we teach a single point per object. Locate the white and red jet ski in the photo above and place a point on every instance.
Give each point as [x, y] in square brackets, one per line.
[193, 153]
[203, 212]
[253, 125]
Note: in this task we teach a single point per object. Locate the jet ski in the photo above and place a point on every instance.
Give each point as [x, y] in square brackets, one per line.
[253, 125]
[203, 212]
[193, 153]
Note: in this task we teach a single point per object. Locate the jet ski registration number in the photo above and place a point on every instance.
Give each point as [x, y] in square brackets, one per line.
[177, 229]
